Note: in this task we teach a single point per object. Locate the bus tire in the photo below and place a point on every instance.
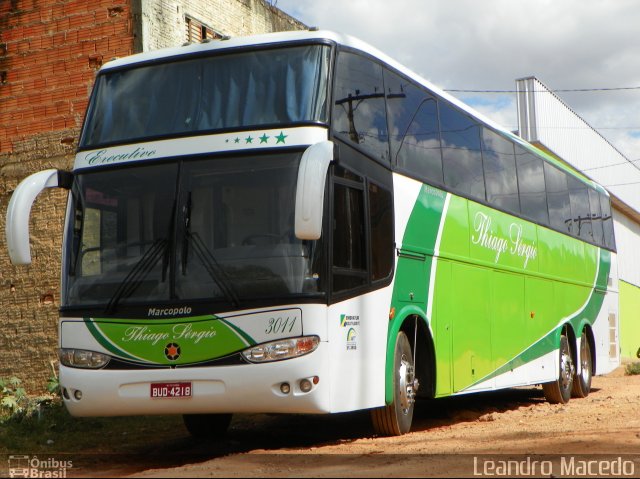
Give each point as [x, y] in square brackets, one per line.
[582, 381]
[395, 419]
[559, 391]
[207, 426]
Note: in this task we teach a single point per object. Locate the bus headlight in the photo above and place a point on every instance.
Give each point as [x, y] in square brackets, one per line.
[281, 349]
[80, 358]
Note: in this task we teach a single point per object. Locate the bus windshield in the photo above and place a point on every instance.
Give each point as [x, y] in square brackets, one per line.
[234, 90]
[218, 230]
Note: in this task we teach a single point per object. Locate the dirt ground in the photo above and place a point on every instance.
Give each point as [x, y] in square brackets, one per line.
[454, 437]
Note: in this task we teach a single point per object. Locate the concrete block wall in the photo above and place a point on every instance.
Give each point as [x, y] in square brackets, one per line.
[163, 21]
[49, 54]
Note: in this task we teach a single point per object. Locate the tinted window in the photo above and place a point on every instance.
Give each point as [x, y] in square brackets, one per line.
[359, 105]
[349, 241]
[580, 209]
[381, 220]
[413, 129]
[558, 198]
[500, 171]
[596, 216]
[461, 156]
[533, 196]
[265, 87]
[607, 221]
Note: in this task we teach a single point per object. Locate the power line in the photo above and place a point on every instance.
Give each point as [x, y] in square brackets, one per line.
[610, 166]
[561, 90]
[623, 184]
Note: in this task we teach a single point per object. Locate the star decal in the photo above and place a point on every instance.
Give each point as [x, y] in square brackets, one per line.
[281, 138]
[264, 139]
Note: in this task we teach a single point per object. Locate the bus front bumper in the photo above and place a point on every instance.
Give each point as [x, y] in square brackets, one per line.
[247, 388]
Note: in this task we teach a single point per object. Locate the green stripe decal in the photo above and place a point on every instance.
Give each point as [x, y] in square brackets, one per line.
[494, 290]
[550, 342]
[242, 334]
[169, 342]
[105, 342]
[412, 276]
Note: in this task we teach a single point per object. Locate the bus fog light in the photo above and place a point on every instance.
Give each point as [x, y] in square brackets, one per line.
[285, 388]
[77, 394]
[281, 349]
[80, 358]
[65, 394]
[305, 385]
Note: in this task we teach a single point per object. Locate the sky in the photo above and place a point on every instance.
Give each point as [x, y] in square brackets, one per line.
[488, 44]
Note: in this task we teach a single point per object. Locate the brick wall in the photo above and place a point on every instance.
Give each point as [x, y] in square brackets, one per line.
[51, 50]
[49, 53]
[163, 21]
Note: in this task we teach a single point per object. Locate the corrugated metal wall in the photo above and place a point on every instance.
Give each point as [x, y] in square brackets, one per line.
[544, 119]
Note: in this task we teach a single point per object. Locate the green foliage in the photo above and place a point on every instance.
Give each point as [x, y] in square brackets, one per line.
[53, 386]
[632, 369]
[13, 397]
[16, 405]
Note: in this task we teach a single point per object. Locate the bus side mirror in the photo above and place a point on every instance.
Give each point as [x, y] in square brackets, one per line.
[19, 210]
[312, 176]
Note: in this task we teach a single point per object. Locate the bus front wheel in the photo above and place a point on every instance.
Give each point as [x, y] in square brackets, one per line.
[207, 426]
[395, 419]
[559, 391]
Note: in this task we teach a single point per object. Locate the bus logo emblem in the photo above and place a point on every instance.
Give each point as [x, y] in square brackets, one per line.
[172, 351]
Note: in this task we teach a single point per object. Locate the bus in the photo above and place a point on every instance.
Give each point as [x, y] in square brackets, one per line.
[296, 223]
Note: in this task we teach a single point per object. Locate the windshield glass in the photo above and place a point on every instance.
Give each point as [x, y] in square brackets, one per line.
[232, 90]
[216, 230]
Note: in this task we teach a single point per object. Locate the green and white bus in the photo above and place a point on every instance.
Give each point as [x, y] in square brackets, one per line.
[295, 223]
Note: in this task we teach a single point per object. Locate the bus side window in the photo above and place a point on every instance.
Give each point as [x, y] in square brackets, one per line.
[596, 216]
[558, 198]
[607, 221]
[349, 242]
[381, 221]
[580, 209]
[461, 155]
[413, 129]
[498, 158]
[533, 196]
[359, 113]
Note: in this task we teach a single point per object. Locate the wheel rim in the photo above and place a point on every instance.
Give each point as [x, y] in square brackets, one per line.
[566, 369]
[406, 377]
[585, 360]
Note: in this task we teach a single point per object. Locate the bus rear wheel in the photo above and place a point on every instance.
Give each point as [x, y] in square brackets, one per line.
[395, 419]
[207, 426]
[582, 381]
[559, 391]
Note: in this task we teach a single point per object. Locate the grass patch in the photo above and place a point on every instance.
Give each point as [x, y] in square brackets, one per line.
[51, 429]
[632, 369]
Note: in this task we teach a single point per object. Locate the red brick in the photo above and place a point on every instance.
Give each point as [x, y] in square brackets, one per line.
[62, 24]
[33, 31]
[78, 21]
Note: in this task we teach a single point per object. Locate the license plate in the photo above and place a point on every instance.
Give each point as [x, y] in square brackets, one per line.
[171, 390]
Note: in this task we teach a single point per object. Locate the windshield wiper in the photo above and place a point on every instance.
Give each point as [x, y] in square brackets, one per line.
[206, 257]
[212, 266]
[137, 274]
